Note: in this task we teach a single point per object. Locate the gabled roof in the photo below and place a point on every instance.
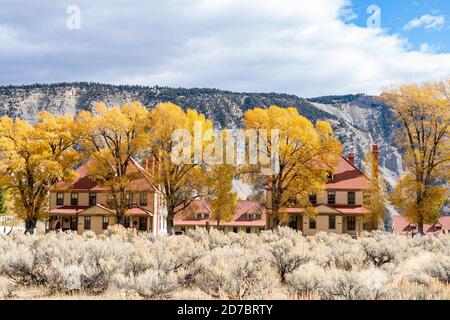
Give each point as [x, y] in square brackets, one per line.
[240, 218]
[347, 176]
[139, 180]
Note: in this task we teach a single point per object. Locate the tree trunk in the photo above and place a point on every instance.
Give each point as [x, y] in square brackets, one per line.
[30, 225]
[420, 228]
[170, 216]
[121, 219]
[169, 224]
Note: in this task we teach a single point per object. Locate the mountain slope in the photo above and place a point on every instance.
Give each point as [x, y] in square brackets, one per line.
[358, 120]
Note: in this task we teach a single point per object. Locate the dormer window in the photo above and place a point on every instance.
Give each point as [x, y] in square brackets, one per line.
[253, 216]
[201, 215]
[330, 176]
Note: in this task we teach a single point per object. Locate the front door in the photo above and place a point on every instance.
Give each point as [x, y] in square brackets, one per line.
[73, 223]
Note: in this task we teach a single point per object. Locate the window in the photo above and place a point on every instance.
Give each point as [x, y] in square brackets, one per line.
[366, 198]
[351, 197]
[313, 198]
[60, 199]
[74, 199]
[253, 216]
[142, 223]
[332, 222]
[92, 199]
[312, 223]
[330, 177]
[248, 229]
[87, 223]
[143, 198]
[351, 223]
[235, 229]
[105, 222]
[331, 197]
[201, 216]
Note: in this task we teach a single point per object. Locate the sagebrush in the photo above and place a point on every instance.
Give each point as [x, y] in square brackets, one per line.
[281, 264]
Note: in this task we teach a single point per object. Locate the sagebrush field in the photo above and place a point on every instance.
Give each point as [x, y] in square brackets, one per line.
[280, 264]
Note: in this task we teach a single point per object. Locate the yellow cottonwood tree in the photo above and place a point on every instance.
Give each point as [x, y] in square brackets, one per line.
[181, 182]
[110, 138]
[376, 203]
[423, 115]
[307, 153]
[32, 159]
[220, 196]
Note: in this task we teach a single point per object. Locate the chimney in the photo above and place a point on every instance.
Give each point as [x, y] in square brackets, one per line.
[375, 162]
[351, 157]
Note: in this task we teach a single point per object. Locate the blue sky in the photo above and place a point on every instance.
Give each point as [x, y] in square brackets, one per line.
[395, 15]
[302, 47]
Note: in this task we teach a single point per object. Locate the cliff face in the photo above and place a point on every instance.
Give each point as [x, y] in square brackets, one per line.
[358, 120]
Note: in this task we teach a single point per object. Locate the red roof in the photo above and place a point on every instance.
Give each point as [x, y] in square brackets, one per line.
[136, 174]
[350, 209]
[402, 225]
[72, 210]
[137, 211]
[240, 218]
[347, 176]
[68, 210]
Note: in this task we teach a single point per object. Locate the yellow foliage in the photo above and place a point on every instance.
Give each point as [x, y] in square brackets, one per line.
[110, 138]
[220, 194]
[423, 113]
[33, 158]
[180, 183]
[306, 154]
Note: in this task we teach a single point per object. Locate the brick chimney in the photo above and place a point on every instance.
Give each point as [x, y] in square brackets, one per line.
[351, 157]
[375, 161]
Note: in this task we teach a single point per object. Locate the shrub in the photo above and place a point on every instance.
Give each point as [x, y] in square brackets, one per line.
[234, 273]
[380, 251]
[345, 285]
[268, 265]
[7, 288]
[306, 281]
[155, 284]
[439, 268]
[286, 258]
[348, 257]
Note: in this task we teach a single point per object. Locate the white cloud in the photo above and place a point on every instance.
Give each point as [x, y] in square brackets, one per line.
[296, 46]
[429, 48]
[426, 21]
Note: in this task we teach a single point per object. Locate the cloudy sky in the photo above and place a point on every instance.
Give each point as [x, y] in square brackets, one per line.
[304, 47]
